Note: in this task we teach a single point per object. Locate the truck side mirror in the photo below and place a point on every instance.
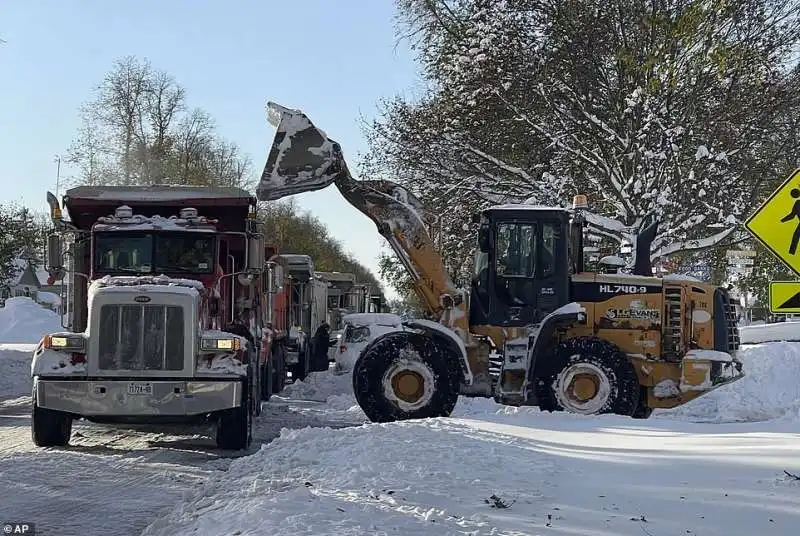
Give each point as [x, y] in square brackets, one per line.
[54, 255]
[255, 255]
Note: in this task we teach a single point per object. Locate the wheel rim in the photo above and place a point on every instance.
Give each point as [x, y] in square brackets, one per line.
[408, 383]
[583, 388]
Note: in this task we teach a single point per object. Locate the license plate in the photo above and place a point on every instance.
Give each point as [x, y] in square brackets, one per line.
[136, 388]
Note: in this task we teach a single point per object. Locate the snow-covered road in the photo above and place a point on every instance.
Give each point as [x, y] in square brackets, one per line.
[714, 467]
[110, 480]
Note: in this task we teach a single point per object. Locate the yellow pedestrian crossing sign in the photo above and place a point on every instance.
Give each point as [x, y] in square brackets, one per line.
[776, 223]
[784, 297]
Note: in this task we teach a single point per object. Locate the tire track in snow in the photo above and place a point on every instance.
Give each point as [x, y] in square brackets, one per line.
[108, 481]
[114, 480]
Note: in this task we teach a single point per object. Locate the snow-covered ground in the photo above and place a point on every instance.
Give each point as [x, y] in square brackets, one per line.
[22, 320]
[780, 331]
[713, 467]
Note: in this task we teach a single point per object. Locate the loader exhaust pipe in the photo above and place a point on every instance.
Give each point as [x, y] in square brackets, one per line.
[644, 239]
[302, 157]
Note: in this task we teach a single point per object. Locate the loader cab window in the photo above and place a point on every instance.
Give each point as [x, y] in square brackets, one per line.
[515, 262]
[547, 252]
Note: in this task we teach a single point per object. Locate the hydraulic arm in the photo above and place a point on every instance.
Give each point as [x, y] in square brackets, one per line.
[303, 159]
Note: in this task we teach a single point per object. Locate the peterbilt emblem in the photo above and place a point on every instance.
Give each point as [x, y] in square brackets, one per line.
[142, 299]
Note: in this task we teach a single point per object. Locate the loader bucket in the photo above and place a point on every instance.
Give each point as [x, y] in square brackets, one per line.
[301, 159]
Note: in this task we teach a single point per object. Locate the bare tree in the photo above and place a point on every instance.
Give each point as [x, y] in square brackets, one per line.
[136, 130]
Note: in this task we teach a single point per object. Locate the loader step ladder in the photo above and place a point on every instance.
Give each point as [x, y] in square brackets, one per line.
[673, 324]
[511, 382]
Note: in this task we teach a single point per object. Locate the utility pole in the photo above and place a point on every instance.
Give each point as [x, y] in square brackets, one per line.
[57, 160]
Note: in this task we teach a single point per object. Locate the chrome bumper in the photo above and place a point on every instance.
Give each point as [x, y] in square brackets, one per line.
[116, 398]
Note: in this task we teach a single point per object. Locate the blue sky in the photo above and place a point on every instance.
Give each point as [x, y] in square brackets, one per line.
[333, 60]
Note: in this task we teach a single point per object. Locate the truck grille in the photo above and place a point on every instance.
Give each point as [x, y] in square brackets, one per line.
[141, 337]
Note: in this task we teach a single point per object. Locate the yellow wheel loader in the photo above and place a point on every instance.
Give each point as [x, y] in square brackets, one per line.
[536, 328]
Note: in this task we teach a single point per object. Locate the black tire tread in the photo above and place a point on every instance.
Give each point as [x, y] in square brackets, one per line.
[379, 355]
[50, 428]
[600, 352]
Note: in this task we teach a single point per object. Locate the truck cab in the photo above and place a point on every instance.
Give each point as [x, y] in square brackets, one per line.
[167, 319]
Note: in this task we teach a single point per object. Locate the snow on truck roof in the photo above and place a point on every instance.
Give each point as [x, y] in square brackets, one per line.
[230, 206]
[157, 193]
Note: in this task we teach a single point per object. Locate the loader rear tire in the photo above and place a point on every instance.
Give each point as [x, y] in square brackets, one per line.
[589, 376]
[402, 376]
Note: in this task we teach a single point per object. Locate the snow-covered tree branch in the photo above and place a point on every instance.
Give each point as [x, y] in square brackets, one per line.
[675, 111]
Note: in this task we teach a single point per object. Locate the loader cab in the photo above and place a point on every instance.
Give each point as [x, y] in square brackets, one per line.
[521, 265]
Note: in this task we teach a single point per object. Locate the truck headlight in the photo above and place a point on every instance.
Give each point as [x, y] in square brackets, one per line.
[65, 342]
[215, 345]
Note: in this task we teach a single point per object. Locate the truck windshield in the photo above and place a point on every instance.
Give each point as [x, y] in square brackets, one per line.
[145, 253]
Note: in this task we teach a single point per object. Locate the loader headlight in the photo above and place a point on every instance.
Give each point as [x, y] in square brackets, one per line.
[215, 345]
[65, 342]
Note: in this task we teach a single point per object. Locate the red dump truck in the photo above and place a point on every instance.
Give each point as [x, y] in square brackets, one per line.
[175, 313]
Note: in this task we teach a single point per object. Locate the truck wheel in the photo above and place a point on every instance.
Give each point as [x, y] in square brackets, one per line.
[267, 380]
[279, 370]
[50, 428]
[402, 376]
[300, 370]
[591, 376]
[235, 426]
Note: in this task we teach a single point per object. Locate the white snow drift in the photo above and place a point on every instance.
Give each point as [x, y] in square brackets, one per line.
[22, 320]
[490, 469]
[495, 469]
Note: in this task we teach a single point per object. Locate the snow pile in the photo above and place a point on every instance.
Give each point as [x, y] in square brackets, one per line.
[22, 320]
[769, 390]
[551, 474]
[335, 389]
[780, 331]
[404, 477]
[15, 369]
[49, 298]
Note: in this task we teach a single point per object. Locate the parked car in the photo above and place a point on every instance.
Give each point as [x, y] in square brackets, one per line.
[359, 330]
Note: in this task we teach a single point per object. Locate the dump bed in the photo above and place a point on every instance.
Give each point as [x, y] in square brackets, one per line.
[85, 204]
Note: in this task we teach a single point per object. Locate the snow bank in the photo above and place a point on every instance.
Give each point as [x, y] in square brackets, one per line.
[780, 331]
[334, 389]
[15, 369]
[49, 298]
[770, 389]
[22, 320]
[404, 478]
[549, 475]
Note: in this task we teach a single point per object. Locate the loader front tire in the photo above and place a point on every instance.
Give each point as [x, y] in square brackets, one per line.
[589, 376]
[402, 376]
